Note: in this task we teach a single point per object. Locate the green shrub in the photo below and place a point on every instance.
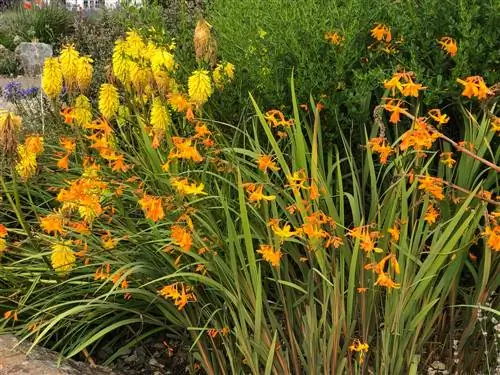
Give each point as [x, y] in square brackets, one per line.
[268, 39]
[48, 24]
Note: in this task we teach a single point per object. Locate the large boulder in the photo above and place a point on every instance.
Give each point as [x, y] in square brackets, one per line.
[32, 56]
[15, 360]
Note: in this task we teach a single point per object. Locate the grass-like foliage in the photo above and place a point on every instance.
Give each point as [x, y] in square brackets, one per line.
[265, 251]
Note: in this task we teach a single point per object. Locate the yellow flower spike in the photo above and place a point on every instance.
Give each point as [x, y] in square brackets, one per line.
[108, 100]
[26, 166]
[84, 73]
[62, 257]
[134, 44]
[82, 110]
[199, 87]
[120, 61]
[229, 70]
[52, 77]
[69, 60]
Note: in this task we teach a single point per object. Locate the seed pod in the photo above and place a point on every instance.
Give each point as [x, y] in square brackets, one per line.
[205, 45]
[9, 132]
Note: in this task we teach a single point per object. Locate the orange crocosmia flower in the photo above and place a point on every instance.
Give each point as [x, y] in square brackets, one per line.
[449, 45]
[395, 107]
[118, 165]
[183, 149]
[34, 144]
[180, 298]
[255, 193]
[284, 232]
[265, 162]
[411, 88]
[394, 83]
[270, 255]
[420, 137]
[3, 231]
[440, 118]
[361, 290]
[474, 86]
[334, 38]
[366, 238]
[385, 280]
[53, 224]
[152, 207]
[447, 159]
[181, 237]
[394, 232]
[178, 102]
[379, 146]
[432, 185]
[334, 241]
[68, 115]
[359, 347]
[63, 162]
[431, 215]
[381, 32]
[493, 237]
[68, 144]
[276, 118]
[201, 130]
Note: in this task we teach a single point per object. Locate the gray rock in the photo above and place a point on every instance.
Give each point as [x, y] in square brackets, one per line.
[32, 56]
[15, 360]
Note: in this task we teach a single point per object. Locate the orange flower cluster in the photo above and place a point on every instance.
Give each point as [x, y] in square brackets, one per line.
[181, 237]
[180, 295]
[420, 137]
[381, 32]
[475, 87]
[265, 162]
[367, 239]
[407, 88]
[213, 332]
[384, 279]
[84, 195]
[378, 145]
[104, 273]
[184, 149]
[432, 186]
[270, 255]
[152, 207]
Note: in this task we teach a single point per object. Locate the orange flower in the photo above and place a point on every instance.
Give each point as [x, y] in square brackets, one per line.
[34, 144]
[379, 146]
[118, 164]
[183, 149]
[181, 237]
[265, 162]
[411, 88]
[53, 224]
[284, 232]
[431, 215]
[334, 38]
[367, 239]
[3, 231]
[432, 185]
[385, 280]
[447, 159]
[493, 235]
[152, 207]
[395, 107]
[474, 86]
[255, 193]
[420, 137]
[394, 232]
[68, 115]
[436, 115]
[381, 32]
[270, 255]
[180, 297]
[357, 346]
[276, 118]
[449, 45]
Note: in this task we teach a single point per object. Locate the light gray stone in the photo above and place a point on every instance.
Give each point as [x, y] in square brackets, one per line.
[32, 56]
[15, 360]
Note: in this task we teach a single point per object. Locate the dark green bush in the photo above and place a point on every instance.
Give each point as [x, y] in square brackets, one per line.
[267, 40]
